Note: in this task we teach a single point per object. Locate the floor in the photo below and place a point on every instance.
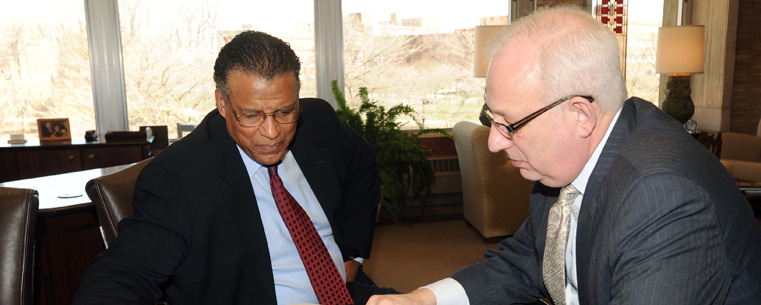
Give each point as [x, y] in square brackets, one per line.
[422, 253]
[427, 247]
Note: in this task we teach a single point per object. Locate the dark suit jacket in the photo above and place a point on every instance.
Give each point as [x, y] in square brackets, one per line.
[197, 231]
[661, 222]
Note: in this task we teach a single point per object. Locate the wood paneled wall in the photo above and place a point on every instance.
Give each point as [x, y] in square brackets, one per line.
[746, 95]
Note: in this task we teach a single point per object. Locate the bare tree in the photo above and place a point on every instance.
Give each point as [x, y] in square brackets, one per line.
[36, 85]
[641, 79]
[72, 84]
[404, 65]
[168, 70]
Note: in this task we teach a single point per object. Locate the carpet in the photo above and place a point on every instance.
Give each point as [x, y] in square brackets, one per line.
[412, 255]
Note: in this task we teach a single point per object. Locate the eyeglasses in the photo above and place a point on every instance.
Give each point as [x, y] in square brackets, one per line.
[508, 131]
[286, 115]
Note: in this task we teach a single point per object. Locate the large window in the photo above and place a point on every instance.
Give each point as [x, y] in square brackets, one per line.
[419, 53]
[170, 47]
[414, 52]
[645, 16]
[44, 66]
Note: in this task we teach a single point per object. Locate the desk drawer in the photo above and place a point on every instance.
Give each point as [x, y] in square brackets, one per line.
[35, 163]
[110, 156]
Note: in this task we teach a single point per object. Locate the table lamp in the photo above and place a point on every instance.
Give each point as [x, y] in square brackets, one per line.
[484, 35]
[680, 52]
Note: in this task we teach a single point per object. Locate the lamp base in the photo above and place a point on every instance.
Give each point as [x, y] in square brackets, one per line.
[678, 103]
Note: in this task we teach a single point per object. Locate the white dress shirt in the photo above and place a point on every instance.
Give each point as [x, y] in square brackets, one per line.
[449, 292]
[580, 183]
[291, 280]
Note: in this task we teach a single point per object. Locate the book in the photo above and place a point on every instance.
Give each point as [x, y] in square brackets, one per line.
[16, 141]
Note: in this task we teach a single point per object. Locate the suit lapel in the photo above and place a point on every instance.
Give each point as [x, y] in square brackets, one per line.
[316, 164]
[590, 204]
[240, 200]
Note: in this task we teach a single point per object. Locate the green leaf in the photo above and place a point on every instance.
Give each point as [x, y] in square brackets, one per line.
[403, 168]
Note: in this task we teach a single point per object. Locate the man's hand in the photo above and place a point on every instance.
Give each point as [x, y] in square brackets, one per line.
[421, 296]
[352, 267]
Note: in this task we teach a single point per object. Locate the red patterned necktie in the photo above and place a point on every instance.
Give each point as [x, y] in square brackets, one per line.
[323, 273]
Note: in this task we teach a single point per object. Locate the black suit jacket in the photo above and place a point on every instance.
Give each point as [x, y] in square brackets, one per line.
[661, 222]
[197, 232]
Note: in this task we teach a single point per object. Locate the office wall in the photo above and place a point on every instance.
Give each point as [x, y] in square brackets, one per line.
[746, 94]
[727, 95]
[712, 89]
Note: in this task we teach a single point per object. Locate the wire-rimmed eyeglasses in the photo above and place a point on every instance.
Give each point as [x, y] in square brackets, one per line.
[286, 115]
[509, 130]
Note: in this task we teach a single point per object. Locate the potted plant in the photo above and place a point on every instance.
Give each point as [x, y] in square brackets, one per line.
[405, 173]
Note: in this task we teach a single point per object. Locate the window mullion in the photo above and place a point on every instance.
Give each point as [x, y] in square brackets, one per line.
[328, 47]
[106, 65]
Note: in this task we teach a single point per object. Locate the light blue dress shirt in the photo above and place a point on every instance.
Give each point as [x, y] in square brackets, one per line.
[291, 281]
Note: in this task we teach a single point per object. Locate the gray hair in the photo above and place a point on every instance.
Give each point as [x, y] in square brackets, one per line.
[255, 53]
[576, 54]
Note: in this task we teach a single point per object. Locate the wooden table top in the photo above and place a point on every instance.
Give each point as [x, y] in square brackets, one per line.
[34, 144]
[63, 192]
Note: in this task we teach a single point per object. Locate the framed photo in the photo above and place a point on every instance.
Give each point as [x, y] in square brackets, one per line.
[54, 129]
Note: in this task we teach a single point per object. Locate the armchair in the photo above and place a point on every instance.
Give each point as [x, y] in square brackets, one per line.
[741, 155]
[112, 196]
[495, 195]
[18, 214]
[183, 128]
[740, 146]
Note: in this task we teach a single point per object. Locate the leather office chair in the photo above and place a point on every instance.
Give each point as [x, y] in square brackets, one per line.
[495, 197]
[18, 215]
[112, 196]
[183, 128]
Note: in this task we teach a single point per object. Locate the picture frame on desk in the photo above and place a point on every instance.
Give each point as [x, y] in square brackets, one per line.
[54, 129]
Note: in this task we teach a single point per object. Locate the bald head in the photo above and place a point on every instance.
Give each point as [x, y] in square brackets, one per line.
[560, 57]
[563, 50]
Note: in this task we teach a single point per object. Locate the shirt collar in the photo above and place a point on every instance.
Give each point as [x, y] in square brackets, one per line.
[253, 167]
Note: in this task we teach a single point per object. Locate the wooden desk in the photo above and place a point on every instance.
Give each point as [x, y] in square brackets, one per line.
[67, 233]
[35, 159]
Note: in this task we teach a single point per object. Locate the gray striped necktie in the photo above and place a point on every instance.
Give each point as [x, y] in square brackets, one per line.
[553, 269]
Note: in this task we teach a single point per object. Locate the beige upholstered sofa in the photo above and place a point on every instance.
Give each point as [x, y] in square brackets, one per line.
[495, 195]
[741, 155]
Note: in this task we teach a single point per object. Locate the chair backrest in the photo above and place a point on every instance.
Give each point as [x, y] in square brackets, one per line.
[182, 128]
[112, 196]
[495, 195]
[462, 134]
[740, 146]
[18, 215]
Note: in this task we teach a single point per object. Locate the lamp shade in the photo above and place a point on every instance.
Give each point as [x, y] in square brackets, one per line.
[484, 35]
[680, 49]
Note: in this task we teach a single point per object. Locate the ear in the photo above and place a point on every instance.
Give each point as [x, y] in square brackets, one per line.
[221, 104]
[586, 115]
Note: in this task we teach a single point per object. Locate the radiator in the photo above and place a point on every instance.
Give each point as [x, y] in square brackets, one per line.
[447, 172]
